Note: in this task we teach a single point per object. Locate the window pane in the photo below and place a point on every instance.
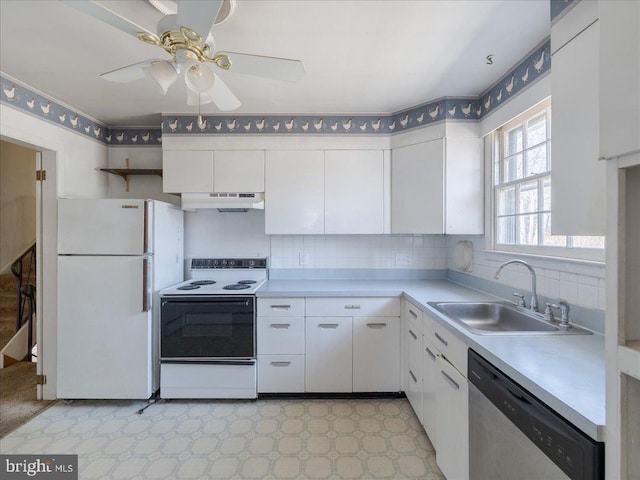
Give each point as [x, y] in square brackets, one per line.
[587, 242]
[528, 200]
[528, 229]
[513, 141]
[506, 230]
[537, 130]
[512, 168]
[546, 195]
[548, 239]
[506, 201]
[537, 160]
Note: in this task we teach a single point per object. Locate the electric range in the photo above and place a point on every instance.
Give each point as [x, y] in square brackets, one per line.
[208, 330]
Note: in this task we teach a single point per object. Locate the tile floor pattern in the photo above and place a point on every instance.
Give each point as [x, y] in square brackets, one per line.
[263, 439]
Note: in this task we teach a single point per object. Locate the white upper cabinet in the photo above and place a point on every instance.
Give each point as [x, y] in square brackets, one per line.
[437, 187]
[187, 171]
[354, 196]
[204, 171]
[619, 78]
[239, 171]
[294, 192]
[578, 186]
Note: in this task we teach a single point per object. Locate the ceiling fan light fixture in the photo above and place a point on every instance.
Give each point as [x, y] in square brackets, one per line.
[193, 100]
[162, 75]
[198, 77]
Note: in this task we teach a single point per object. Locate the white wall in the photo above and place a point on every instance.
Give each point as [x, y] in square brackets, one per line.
[17, 202]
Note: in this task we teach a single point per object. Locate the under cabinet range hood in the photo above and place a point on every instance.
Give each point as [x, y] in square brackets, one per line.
[224, 202]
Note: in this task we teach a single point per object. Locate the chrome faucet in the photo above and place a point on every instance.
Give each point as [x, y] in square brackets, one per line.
[534, 294]
[563, 306]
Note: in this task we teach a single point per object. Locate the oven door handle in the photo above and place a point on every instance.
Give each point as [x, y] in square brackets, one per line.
[210, 362]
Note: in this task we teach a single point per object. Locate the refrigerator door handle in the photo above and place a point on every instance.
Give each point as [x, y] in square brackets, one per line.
[145, 241]
[146, 302]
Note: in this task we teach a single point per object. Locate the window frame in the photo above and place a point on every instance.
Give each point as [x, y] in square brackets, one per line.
[494, 150]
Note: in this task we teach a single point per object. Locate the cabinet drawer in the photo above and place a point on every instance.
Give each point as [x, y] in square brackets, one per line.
[280, 373]
[412, 313]
[280, 335]
[281, 307]
[453, 349]
[353, 307]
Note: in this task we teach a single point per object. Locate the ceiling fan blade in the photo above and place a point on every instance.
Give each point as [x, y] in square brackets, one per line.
[223, 97]
[270, 67]
[103, 13]
[130, 72]
[198, 15]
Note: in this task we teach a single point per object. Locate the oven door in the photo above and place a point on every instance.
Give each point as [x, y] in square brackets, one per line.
[207, 329]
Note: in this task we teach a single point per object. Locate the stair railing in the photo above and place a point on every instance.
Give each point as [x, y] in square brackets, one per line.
[25, 291]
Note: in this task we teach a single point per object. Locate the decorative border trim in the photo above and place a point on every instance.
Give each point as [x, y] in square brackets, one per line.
[470, 109]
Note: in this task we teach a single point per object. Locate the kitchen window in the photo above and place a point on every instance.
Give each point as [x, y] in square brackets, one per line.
[522, 176]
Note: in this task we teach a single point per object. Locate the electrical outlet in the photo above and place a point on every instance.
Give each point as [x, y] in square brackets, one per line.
[304, 258]
[403, 259]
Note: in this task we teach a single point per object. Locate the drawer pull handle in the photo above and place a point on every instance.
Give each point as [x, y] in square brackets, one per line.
[414, 314]
[431, 354]
[451, 380]
[413, 335]
[280, 364]
[441, 339]
[376, 325]
[280, 325]
[281, 307]
[328, 325]
[352, 307]
[413, 376]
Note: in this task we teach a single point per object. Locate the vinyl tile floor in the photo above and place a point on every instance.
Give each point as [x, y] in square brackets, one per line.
[206, 439]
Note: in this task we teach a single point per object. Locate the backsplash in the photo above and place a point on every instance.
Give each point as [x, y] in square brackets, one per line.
[579, 283]
[210, 233]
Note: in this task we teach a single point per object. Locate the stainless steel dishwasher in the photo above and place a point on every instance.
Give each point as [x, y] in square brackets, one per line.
[513, 435]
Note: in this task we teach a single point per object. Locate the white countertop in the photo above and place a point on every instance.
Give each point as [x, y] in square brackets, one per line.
[567, 372]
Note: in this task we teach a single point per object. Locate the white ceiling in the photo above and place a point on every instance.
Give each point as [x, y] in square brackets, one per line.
[360, 56]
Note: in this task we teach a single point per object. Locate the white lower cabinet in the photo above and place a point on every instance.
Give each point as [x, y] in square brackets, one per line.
[430, 374]
[328, 362]
[280, 373]
[376, 354]
[452, 422]
[413, 346]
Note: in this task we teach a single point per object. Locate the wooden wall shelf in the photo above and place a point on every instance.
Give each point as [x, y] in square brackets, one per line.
[125, 173]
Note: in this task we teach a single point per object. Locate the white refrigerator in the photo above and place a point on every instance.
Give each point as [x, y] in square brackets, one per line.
[114, 256]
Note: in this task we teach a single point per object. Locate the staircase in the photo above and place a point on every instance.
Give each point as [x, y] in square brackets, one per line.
[8, 293]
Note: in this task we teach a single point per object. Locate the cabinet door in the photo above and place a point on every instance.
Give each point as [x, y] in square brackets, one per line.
[354, 196]
[452, 422]
[238, 171]
[464, 193]
[187, 171]
[417, 188]
[294, 192]
[413, 344]
[328, 362]
[376, 354]
[619, 77]
[578, 184]
[431, 371]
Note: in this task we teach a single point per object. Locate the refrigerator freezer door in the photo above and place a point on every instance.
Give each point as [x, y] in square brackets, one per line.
[104, 334]
[104, 226]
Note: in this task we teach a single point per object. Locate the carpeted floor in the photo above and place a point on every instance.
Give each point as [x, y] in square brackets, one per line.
[18, 401]
[263, 439]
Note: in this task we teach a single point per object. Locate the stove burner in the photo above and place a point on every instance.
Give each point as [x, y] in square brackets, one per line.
[203, 282]
[247, 282]
[236, 286]
[188, 287]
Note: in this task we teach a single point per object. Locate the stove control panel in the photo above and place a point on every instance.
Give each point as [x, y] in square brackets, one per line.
[216, 263]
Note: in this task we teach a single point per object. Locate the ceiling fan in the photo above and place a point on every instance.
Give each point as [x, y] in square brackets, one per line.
[186, 36]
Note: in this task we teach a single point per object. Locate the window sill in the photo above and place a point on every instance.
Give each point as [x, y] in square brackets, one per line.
[593, 259]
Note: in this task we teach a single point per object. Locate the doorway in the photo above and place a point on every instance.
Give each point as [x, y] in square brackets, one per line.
[21, 260]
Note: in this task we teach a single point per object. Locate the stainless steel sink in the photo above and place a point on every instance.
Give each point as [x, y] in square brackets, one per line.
[500, 318]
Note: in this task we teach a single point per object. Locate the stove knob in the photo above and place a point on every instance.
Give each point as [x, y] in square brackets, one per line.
[252, 263]
[216, 263]
[232, 263]
[224, 263]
